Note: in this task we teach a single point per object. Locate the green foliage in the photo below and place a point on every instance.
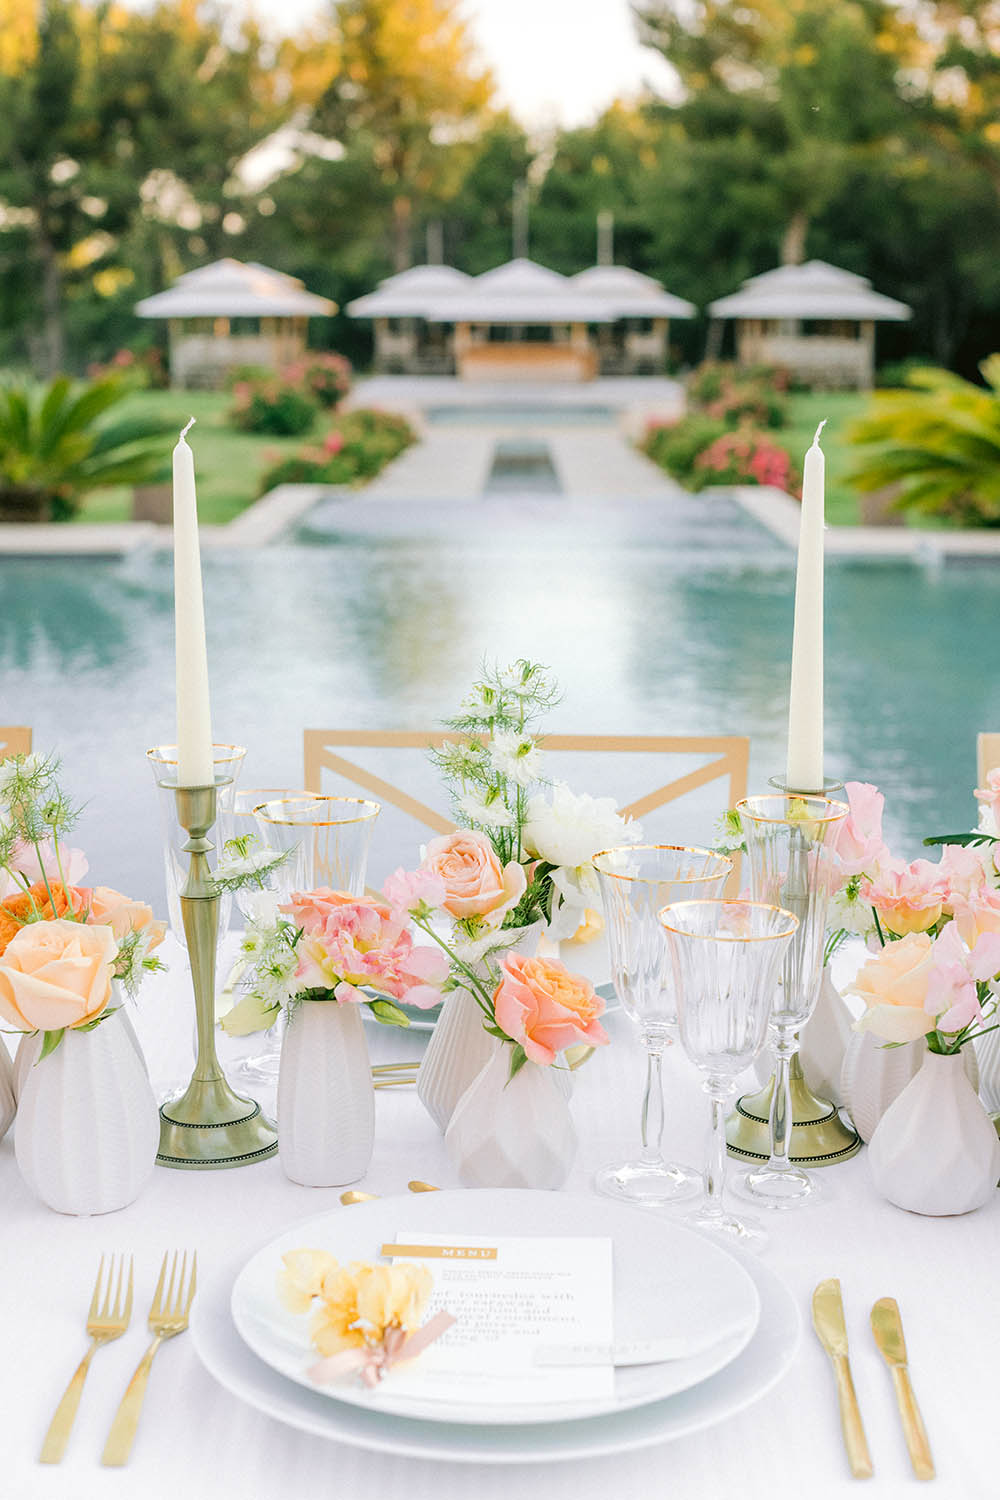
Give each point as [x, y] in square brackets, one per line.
[357, 446]
[55, 446]
[754, 395]
[675, 446]
[270, 405]
[938, 444]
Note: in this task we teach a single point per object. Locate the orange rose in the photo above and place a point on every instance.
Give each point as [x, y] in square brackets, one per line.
[56, 974]
[475, 882]
[540, 1004]
[17, 910]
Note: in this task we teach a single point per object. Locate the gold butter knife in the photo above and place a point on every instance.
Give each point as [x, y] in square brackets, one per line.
[828, 1321]
[887, 1326]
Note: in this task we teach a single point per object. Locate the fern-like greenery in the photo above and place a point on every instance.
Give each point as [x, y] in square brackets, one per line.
[938, 444]
[56, 445]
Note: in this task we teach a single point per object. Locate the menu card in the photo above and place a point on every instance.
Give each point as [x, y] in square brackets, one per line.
[512, 1297]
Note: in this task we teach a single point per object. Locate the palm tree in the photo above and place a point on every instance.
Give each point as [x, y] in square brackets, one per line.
[937, 444]
[55, 447]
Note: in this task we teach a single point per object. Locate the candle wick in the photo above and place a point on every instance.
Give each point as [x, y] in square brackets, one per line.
[187, 429]
[815, 443]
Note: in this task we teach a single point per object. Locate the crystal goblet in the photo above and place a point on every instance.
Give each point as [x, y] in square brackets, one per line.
[726, 959]
[788, 839]
[326, 839]
[636, 881]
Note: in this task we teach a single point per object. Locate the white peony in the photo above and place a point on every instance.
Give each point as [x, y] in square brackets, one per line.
[567, 829]
[484, 814]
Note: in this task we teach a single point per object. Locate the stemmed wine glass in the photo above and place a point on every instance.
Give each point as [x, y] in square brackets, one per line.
[726, 959]
[637, 880]
[787, 838]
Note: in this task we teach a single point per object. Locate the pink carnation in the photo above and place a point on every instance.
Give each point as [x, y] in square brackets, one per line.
[405, 890]
[349, 942]
[952, 997]
[908, 898]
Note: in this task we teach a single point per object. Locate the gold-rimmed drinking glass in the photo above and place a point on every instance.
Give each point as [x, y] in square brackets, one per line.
[788, 837]
[726, 957]
[326, 839]
[227, 761]
[636, 881]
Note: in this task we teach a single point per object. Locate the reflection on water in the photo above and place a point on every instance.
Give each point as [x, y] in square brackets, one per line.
[671, 618]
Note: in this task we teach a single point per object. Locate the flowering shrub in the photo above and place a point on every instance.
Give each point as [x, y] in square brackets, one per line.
[325, 377]
[267, 404]
[357, 446]
[746, 457]
[143, 369]
[676, 445]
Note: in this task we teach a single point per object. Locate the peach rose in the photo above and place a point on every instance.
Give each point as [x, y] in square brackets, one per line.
[110, 908]
[540, 1004]
[475, 882]
[893, 986]
[56, 974]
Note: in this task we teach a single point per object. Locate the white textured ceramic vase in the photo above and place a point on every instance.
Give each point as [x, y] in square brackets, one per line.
[935, 1150]
[87, 1123]
[512, 1132]
[987, 1052]
[873, 1076]
[459, 1048]
[8, 1103]
[326, 1102]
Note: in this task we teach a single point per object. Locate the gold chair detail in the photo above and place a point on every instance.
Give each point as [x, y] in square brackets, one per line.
[727, 759]
[15, 740]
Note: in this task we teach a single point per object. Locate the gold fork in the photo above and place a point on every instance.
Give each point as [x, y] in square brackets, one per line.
[104, 1323]
[167, 1316]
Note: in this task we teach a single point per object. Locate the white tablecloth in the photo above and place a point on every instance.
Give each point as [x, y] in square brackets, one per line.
[196, 1440]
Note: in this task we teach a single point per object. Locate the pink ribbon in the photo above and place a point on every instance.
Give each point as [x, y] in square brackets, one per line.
[374, 1361]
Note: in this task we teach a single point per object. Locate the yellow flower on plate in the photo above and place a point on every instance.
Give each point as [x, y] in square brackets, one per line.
[302, 1278]
[590, 928]
[335, 1321]
[393, 1296]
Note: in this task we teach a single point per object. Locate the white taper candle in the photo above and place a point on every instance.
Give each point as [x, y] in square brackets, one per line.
[194, 726]
[804, 771]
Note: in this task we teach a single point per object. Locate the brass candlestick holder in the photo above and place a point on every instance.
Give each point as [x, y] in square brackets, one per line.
[818, 1137]
[209, 1125]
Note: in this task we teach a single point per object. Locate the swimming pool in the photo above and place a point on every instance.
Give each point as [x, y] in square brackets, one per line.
[670, 618]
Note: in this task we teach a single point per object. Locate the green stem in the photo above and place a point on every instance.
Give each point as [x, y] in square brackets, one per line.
[482, 997]
[45, 878]
[878, 927]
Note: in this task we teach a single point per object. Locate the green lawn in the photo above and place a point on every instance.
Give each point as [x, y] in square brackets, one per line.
[806, 411]
[229, 463]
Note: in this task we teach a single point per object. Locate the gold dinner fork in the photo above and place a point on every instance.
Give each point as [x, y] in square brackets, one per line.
[167, 1316]
[104, 1323]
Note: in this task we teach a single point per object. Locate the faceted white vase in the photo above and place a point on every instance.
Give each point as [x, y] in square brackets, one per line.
[87, 1122]
[326, 1102]
[459, 1048]
[512, 1132]
[935, 1150]
[873, 1076]
[988, 1057]
[823, 1043]
[8, 1103]
[28, 1049]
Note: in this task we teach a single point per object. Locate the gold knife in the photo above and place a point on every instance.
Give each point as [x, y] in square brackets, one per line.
[887, 1326]
[828, 1321]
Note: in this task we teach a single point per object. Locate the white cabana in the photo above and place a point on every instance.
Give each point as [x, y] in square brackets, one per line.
[520, 320]
[814, 320]
[229, 314]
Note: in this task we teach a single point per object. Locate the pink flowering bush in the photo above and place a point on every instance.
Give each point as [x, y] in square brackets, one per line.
[326, 377]
[356, 447]
[747, 457]
[270, 404]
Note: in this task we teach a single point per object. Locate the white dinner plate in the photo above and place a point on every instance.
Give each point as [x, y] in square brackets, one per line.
[744, 1381]
[669, 1283]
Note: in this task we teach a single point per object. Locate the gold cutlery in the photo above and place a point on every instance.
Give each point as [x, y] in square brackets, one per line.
[168, 1316]
[354, 1196]
[828, 1321]
[104, 1323]
[397, 1067]
[887, 1326]
[416, 1186]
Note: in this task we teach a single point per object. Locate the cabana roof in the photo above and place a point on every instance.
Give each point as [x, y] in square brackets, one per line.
[813, 290]
[231, 289]
[521, 291]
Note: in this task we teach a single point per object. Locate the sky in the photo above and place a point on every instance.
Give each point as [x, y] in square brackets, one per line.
[557, 62]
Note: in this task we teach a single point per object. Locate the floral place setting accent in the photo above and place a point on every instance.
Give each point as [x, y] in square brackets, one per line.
[69, 957]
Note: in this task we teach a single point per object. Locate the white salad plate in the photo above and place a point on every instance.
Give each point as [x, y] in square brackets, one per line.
[669, 1283]
[747, 1377]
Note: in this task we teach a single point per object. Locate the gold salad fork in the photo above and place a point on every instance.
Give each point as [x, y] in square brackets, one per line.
[167, 1316]
[105, 1321]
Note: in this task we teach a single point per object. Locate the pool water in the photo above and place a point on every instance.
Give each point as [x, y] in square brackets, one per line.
[670, 618]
